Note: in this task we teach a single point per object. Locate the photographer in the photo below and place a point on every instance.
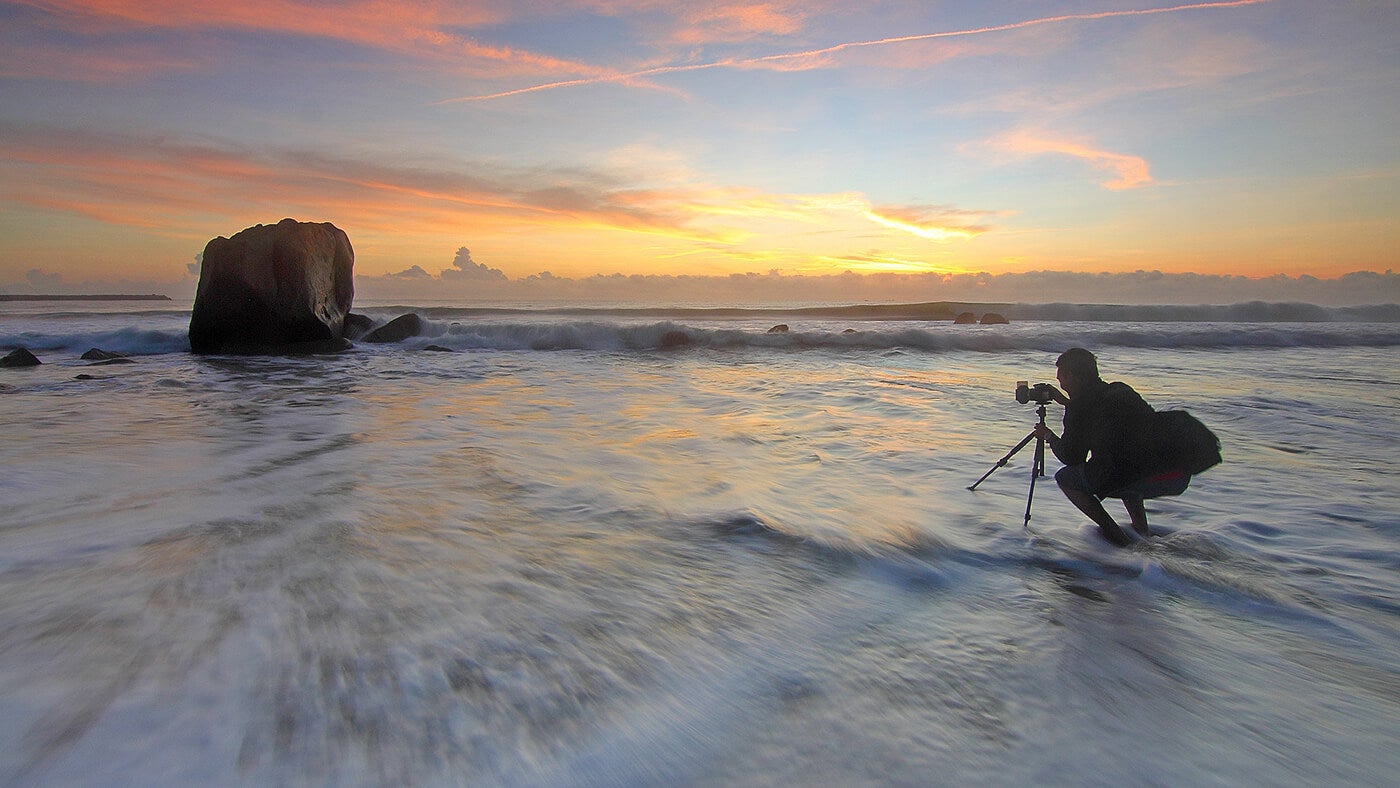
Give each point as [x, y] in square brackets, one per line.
[1107, 446]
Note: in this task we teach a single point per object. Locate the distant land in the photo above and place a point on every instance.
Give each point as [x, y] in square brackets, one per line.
[147, 297]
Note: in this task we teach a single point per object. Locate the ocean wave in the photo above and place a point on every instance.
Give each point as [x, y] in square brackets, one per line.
[676, 336]
[1043, 327]
[937, 311]
[127, 340]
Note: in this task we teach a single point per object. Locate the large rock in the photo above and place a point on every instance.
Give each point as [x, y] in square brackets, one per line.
[274, 287]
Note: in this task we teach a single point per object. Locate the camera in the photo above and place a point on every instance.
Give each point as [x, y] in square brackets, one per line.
[1040, 393]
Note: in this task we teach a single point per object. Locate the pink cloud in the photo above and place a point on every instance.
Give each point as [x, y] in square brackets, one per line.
[423, 30]
[1127, 171]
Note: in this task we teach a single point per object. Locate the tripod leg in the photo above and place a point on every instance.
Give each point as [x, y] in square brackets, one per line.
[1037, 470]
[1001, 462]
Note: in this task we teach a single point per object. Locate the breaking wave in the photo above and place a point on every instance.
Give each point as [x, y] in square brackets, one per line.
[926, 328]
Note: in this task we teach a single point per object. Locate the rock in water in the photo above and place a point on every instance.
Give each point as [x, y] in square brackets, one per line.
[20, 357]
[357, 326]
[397, 330]
[273, 286]
[994, 319]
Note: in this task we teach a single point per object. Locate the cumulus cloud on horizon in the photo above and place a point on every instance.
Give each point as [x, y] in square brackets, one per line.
[472, 281]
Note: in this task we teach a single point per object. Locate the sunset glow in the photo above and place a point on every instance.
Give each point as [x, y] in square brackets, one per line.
[712, 139]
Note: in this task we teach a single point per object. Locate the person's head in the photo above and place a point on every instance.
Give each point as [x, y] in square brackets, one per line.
[1077, 368]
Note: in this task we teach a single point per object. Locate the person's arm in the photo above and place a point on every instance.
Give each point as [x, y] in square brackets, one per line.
[1072, 448]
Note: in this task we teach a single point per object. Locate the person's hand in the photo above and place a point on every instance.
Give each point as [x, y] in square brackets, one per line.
[1058, 396]
[1043, 432]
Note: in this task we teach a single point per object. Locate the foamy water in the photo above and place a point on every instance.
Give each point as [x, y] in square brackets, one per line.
[564, 554]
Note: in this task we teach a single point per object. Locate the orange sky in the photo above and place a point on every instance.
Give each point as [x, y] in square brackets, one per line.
[701, 139]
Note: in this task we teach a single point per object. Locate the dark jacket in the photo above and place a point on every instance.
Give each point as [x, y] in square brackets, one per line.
[1111, 427]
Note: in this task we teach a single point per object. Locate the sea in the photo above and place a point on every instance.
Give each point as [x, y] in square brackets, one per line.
[618, 545]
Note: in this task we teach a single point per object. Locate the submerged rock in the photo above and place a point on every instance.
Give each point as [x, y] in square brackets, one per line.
[20, 357]
[396, 330]
[272, 286]
[98, 354]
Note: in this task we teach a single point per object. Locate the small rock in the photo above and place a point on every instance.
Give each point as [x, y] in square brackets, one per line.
[994, 319]
[396, 330]
[781, 328]
[965, 319]
[98, 354]
[357, 325]
[439, 349]
[20, 357]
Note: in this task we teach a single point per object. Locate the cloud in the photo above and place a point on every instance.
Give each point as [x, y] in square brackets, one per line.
[164, 182]
[467, 270]
[825, 57]
[702, 23]
[428, 29]
[199, 188]
[40, 280]
[413, 274]
[879, 278]
[1128, 171]
[934, 222]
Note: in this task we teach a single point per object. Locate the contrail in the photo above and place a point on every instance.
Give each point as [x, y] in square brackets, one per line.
[742, 62]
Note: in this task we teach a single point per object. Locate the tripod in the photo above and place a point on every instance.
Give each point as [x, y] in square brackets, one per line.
[1037, 468]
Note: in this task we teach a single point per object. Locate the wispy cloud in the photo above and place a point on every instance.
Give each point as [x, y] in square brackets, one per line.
[1127, 171]
[703, 23]
[182, 187]
[934, 222]
[427, 30]
[821, 57]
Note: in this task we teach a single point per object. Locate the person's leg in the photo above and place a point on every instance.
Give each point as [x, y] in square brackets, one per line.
[1137, 512]
[1071, 481]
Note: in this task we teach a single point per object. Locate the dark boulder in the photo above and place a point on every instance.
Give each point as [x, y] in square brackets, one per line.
[965, 319]
[439, 349]
[781, 328]
[357, 326]
[98, 354]
[396, 330]
[994, 319]
[273, 286]
[20, 357]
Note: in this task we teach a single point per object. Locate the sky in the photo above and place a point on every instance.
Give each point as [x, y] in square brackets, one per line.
[710, 150]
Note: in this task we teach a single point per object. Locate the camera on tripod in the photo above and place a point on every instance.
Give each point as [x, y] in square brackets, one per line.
[1040, 393]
